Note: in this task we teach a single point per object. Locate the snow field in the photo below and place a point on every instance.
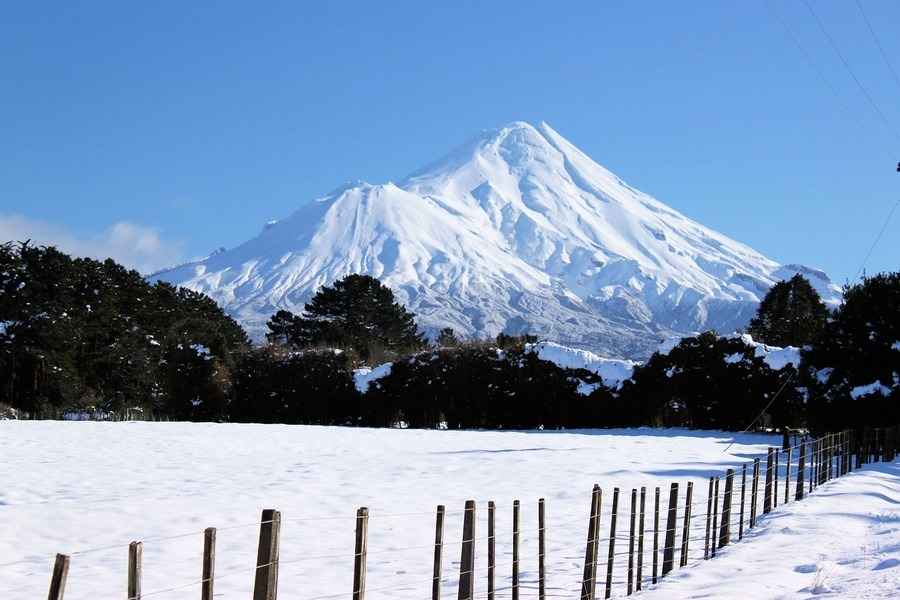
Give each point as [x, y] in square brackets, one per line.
[69, 486]
[841, 542]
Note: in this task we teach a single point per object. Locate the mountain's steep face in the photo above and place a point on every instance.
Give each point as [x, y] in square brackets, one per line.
[516, 231]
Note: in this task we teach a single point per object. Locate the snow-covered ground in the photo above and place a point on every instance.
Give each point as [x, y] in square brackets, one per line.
[842, 542]
[75, 486]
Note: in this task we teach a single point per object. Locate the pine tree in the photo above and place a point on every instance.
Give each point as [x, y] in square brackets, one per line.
[358, 313]
[283, 329]
[860, 346]
[791, 314]
[447, 338]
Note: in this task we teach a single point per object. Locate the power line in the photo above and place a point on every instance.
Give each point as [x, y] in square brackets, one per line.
[877, 238]
[878, 43]
[812, 64]
[859, 84]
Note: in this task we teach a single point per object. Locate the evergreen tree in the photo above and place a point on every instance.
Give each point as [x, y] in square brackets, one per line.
[853, 369]
[791, 314]
[447, 338]
[284, 329]
[81, 334]
[357, 313]
[506, 341]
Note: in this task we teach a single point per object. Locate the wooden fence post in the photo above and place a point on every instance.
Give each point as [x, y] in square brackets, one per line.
[669, 548]
[515, 551]
[686, 526]
[753, 493]
[845, 454]
[612, 542]
[715, 523]
[787, 475]
[359, 554]
[743, 501]
[135, 554]
[467, 555]
[589, 580]
[775, 479]
[655, 533]
[492, 508]
[631, 542]
[209, 564]
[708, 519]
[58, 578]
[438, 552]
[725, 531]
[265, 586]
[814, 463]
[542, 548]
[640, 560]
[767, 491]
[801, 467]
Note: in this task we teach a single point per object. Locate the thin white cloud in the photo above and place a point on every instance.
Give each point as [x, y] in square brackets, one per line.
[130, 244]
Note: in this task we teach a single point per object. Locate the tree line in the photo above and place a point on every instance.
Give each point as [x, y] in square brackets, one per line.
[85, 335]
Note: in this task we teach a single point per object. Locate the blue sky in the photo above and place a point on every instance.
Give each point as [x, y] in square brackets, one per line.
[160, 131]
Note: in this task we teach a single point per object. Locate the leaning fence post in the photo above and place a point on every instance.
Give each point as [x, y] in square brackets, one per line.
[767, 492]
[743, 501]
[265, 586]
[669, 548]
[686, 526]
[438, 552]
[631, 542]
[515, 551]
[541, 549]
[801, 467]
[588, 583]
[467, 555]
[612, 541]
[753, 493]
[725, 531]
[640, 559]
[209, 564]
[492, 508]
[359, 554]
[656, 532]
[708, 519]
[58, 579]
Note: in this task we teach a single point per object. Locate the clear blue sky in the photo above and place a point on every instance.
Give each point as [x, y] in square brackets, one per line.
[180, 128]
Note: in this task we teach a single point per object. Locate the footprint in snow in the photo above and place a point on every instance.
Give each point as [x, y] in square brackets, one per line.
[810, 568]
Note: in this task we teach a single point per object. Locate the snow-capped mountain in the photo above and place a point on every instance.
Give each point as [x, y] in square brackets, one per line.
[516, 231]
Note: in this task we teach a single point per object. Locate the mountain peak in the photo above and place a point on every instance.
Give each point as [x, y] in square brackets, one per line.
[516, 230]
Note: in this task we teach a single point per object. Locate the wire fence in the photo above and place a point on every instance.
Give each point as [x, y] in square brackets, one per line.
[633, 539]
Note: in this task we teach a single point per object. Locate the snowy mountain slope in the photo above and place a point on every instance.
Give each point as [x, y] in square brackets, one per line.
[516, 231]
